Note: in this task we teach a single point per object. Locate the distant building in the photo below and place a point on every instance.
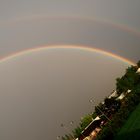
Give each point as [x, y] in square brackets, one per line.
[138, 70]
[89, 129]
[87, 138]
[128, 91]
[114, 94]
[121, 96]
[94, 133]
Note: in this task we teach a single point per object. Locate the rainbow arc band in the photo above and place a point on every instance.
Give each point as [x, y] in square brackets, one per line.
[35, 18]
[82, 48]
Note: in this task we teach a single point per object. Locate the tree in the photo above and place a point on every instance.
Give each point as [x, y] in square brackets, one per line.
[131, 69]
[67, 137]
[77, 132]
[138, 64]
[98, 112]
[99, 109]
[128, 81]
[121, 85]
[112, 104]
[136, 90]
[85, 121]
[94, 115]
[109, 102]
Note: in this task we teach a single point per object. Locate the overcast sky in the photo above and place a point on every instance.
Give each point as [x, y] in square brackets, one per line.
[32, 23]
[41, 90]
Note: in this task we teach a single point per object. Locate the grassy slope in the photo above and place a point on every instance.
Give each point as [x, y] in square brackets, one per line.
[131, 129]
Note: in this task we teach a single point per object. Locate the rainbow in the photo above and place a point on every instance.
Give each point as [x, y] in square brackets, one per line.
[35, 18]
[83, 48]
[41, 17]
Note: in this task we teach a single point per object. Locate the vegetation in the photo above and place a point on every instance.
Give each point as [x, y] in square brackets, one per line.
[131, 80]
[127, 81]
[85, 121]
[120, 117]
[115, 111]
[138, 64]
[131, 128]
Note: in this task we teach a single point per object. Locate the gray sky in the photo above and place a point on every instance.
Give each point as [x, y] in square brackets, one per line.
[32, 23]
[41, 90]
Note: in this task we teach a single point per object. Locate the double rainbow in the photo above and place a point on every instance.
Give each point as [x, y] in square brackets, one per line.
[85, 48]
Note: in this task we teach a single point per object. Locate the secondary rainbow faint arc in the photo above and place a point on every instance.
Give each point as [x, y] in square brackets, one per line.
[89, 19]
[84, 48]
